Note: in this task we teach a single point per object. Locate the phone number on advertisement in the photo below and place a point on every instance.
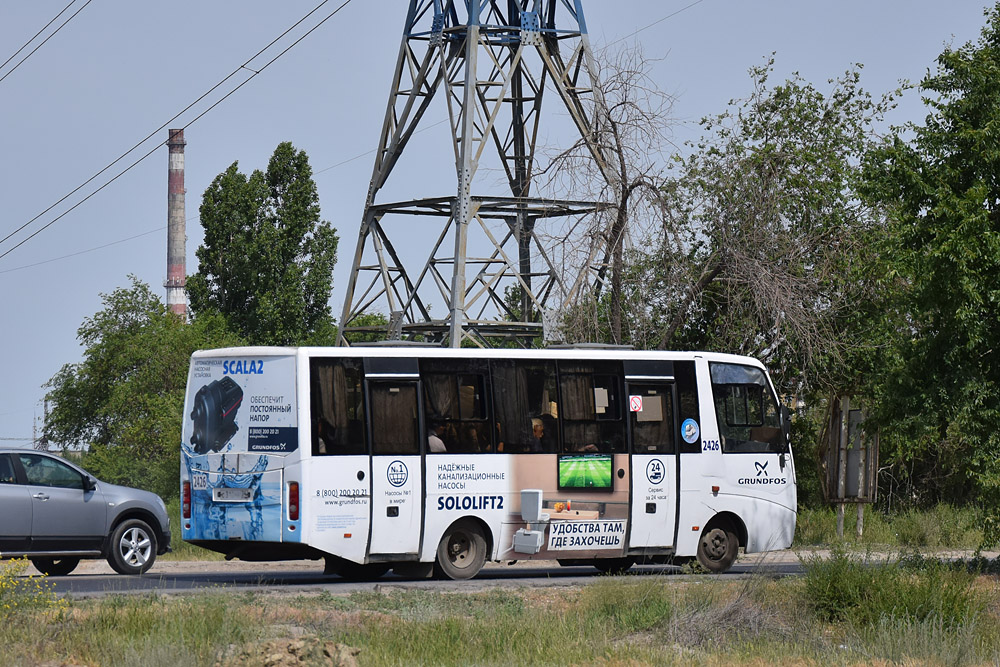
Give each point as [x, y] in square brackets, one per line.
[341, 493]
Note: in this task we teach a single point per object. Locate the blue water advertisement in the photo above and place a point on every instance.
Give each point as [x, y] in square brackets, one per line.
[240, 426]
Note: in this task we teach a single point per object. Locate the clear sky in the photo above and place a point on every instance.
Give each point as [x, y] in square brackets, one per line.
[121, 68]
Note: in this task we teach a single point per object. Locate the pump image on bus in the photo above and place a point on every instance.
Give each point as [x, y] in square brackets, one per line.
[421, 459]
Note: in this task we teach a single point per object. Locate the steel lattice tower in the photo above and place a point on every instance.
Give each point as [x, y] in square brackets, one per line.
[492, 60]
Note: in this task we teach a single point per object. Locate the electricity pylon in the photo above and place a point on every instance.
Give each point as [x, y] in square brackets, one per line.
[492, 61]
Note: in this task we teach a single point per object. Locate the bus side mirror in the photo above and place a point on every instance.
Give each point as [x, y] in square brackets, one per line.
[786, 426]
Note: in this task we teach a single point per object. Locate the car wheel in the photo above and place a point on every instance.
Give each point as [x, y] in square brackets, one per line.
[462, 551]
[133, 547]
[717, 548]
[55, 567]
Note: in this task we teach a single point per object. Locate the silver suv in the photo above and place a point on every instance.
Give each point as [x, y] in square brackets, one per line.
[55, 514]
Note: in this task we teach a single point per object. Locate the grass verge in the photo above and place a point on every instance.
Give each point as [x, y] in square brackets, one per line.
[940, 527]
[846, 610]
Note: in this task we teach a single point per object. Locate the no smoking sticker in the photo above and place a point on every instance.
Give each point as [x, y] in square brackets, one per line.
[635, 403]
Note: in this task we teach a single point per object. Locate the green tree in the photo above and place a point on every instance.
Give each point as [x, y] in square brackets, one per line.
[374, 327]
[763, 230]
[939, 394]
[267, 261]
[124, 399]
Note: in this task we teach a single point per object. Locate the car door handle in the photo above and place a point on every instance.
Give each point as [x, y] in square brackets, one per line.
[41, 496]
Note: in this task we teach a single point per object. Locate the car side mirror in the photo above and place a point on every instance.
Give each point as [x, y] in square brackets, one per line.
[89, 483]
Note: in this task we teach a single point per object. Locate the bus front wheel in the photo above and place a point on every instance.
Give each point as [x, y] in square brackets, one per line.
[717, 548]
[462, 551]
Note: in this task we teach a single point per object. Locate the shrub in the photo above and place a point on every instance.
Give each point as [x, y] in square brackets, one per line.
[19, 593]
[863, 590]
[627, 606]
[943, 526]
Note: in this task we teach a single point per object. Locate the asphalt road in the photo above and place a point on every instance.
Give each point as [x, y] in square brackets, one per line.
[95, 579]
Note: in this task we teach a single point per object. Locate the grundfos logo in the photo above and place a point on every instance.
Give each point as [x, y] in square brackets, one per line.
[762, 476]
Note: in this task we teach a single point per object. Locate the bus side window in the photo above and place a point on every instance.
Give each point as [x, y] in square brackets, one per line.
[456, 396]
[592, 416]
[525, 391]
[393, 411]
[653, 427]
[337, 407]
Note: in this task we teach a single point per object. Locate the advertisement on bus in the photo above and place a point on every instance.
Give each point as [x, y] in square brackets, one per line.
[239, 421]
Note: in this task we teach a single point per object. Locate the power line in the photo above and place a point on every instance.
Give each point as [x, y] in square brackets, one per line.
[255, 72]
[35, 36]
[51, 35]
[361, 155]
[171, 120]
[84, 252]
[160, 128]
[654, 23]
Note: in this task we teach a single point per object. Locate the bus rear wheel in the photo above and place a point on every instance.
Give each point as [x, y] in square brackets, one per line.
[717, 548]
[462, 551]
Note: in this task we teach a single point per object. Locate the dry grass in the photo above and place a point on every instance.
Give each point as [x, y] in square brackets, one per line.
[616, 621]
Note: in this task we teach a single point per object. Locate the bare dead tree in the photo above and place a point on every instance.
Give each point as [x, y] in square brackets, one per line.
[632, 129]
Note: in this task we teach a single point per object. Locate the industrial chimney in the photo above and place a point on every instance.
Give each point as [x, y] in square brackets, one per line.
[176, 228]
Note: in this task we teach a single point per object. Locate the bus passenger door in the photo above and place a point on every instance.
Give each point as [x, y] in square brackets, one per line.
[654, 464]
[397, 474]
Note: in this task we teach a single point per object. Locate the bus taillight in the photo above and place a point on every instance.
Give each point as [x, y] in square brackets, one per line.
[293, 501]
[186, 500]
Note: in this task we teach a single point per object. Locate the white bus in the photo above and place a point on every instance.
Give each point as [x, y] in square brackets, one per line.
[415, 458]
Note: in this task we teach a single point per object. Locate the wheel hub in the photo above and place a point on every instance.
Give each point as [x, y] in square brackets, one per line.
[715, 544]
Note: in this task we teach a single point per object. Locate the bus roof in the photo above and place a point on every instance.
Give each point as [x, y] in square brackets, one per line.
[434, 352]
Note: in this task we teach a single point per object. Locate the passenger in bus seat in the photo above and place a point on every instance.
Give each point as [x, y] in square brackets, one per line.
[537, 433]
[435, 444]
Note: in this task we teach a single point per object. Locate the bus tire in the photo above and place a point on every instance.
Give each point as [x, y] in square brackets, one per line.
[613, 565]
[717, 548]
[462, 551]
